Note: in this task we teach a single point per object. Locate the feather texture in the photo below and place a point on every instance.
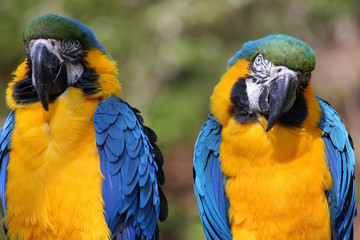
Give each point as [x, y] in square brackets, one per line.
[278, 182]
[5, 136]
[341, 162]
[130, 188]
[209, 182]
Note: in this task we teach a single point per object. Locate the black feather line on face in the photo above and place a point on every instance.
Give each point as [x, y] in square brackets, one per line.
[72, 51]
[241, 111]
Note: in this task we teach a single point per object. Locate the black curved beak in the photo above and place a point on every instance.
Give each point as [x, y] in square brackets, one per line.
[49, 74]
[281, 91]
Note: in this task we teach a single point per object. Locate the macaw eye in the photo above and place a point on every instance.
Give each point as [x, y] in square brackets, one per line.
[262, 64]
[53, 42]
[259, 63]
[71, 50]
[70, 45]
[77, 43]
[258, 59]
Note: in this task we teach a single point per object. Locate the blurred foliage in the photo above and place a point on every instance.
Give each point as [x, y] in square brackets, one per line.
[171, 53]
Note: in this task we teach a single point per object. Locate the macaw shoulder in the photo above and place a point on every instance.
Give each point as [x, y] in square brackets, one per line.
[332, 125]
[114, 109]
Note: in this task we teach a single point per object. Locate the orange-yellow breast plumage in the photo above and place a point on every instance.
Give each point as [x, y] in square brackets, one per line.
[277, 179]
[54, 180]
[54, 177]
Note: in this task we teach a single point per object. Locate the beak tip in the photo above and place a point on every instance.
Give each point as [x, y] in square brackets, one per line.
[268, 128]
[271, 122]
[46, 108]
[45, 105]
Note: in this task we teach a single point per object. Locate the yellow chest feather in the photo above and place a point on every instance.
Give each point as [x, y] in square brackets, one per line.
[276, 182]
[54, 178]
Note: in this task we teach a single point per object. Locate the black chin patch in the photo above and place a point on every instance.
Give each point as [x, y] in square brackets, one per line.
[297, 113]
[241, 112]
[24, 91]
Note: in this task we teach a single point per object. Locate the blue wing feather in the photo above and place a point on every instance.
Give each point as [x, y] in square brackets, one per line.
[127, 163]
[5, 138]
[209, 182]
[341, 162]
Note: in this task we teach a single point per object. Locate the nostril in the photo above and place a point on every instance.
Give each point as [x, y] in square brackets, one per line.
[278, 70]
[53, 42]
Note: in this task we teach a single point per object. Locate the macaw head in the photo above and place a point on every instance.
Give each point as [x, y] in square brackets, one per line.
[60, 53]
[266, 78]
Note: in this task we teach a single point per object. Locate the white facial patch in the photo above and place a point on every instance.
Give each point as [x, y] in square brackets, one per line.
[52, 45]
[74, 71]
[253, 91]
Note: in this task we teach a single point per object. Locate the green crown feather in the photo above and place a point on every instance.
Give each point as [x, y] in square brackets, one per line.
[281, 50]
[60, 28]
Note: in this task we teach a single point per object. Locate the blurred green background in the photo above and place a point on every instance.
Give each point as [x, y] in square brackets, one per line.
[171, 53]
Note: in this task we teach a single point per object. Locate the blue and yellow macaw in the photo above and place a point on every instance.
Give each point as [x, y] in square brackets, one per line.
[76, 160]
[273, 161]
